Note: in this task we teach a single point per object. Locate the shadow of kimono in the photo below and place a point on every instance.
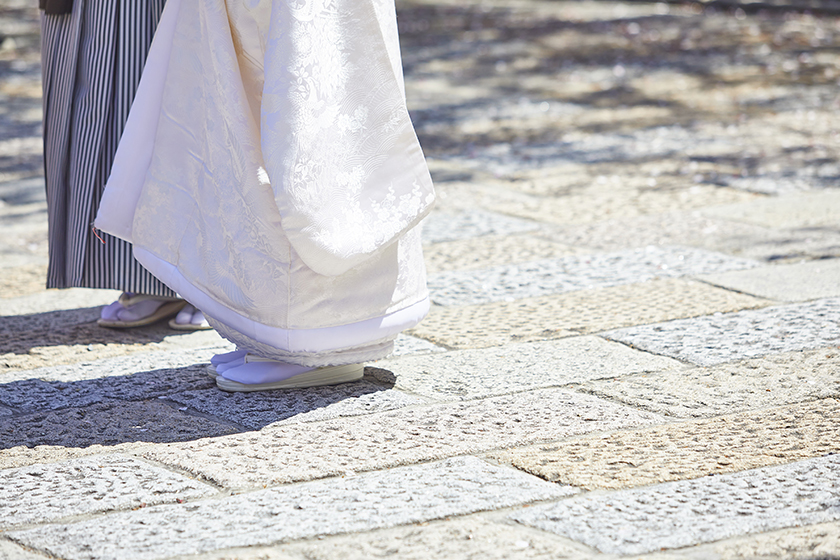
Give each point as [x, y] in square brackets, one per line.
[166, 405]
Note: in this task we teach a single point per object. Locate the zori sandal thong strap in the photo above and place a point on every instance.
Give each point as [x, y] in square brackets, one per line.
[138, 310]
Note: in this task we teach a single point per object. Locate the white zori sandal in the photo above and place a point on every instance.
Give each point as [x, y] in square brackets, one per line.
[242, 372]
[132, 310]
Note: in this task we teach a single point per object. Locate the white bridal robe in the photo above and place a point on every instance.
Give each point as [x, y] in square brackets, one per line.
[269, 173]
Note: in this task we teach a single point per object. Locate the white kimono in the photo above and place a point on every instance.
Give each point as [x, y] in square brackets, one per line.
[269, 173]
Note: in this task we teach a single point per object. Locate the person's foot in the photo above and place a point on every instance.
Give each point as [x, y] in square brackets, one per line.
[252, 373]
[138, 310]
[220, 362]
[189, 319]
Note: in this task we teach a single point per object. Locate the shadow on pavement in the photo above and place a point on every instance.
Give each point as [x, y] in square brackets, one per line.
[161, 406]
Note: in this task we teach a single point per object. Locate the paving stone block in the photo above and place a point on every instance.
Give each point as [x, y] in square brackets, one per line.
[554, 276]
[405, 345]
[793, 282]
[686, 450]
[109, 422]
[476, 536]
[22, 280]
[448, 226]
[36, 395]
[692, 229]
[357, 503]
[820, 541]
[122, 366]
[491, 250]
[772, 380]
[688, 512]
[303, 451]
[608, 201]
[11, 551]
[474, 374]
[583, 311]
[257, 410]
[70, 299]
[821, 209]
[72, 336]
[47, 493]
[737, 336]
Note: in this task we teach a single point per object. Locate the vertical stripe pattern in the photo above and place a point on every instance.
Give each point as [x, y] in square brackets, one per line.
[92, 60]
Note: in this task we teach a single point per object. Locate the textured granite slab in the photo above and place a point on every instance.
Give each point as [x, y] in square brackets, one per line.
[161, 363]
[491, 250]
[692, 229]
[32, 395]
[257, 410]
[820, 209]
[771, 380]
[11, 551]
[303, 451]
[21, 279]
[608, 201]
[819, 541]
[737, 336]
[793, 282]
[686, 450]
[405, 345]
[484, 536]
[70, 337]
[582, 311]
[678, 514]
[448, 226]
[554, 276]
[109, 422]
[474, 374]
[357, 503]
[47, 493]
[57, 300]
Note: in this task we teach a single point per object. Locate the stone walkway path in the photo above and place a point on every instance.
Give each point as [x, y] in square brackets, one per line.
[634, 349]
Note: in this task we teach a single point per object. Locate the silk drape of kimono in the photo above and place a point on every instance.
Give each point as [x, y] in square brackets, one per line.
[269, 173]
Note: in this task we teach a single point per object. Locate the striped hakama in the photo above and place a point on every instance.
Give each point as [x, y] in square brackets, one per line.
[92, 59]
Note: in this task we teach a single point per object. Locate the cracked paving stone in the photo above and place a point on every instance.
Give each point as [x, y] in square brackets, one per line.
[357, 503]
[476, 536]
[772, 380]
[475, 374]
[490, 251]
[821, 209]
[109, 422]
[47, 493]
[554, 276]
[257, 410]
[304, 451]
[741, 335]
[686, 450]
[792, 282]
[689, 512]
[450, 226]
[583, 311]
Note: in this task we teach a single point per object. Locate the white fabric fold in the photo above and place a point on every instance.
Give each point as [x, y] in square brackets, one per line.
[269, 171]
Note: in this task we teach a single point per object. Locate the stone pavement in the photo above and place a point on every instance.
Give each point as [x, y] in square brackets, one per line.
[634, 349]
